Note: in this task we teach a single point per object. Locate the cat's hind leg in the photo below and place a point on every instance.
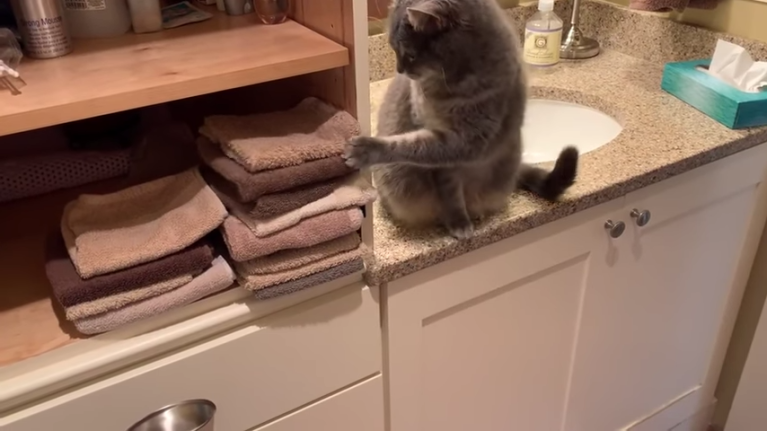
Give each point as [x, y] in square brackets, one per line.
[454, 216]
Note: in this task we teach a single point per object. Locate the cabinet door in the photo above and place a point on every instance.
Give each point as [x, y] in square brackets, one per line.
[485, 341]
[358, 408]
[649, 324]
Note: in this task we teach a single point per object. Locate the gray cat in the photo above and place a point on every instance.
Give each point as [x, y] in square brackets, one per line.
[449, 142]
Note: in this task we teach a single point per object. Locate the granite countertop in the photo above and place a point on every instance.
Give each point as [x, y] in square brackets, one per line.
[661, 137]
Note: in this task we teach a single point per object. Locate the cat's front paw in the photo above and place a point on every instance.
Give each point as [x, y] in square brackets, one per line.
[460, 229]
[363, 151]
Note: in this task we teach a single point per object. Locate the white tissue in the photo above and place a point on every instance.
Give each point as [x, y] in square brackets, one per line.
[733, 65]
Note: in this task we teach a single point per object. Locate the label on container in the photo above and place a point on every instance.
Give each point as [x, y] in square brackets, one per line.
[45, 37]
[85, 4]
[542, 46]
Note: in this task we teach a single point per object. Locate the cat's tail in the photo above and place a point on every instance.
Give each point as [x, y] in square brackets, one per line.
[551, 185]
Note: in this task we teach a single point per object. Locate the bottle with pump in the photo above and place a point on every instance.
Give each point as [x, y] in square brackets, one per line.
[543, 36]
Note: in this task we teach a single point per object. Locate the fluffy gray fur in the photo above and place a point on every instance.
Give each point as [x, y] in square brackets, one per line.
[449, 139]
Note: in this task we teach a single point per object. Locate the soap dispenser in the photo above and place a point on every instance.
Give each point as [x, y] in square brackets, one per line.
[543, 36]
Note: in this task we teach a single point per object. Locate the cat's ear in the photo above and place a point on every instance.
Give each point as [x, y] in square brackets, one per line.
[430, 16]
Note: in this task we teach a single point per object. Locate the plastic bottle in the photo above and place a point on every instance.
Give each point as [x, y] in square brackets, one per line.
[543, 36]
[146, 15]
[97, 18]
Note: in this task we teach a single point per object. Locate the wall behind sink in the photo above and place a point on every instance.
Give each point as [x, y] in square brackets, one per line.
[744, 18]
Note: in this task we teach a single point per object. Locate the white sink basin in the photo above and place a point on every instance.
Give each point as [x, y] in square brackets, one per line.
[551, 125]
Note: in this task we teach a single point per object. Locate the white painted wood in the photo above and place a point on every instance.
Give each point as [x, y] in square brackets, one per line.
[650, 324]
[255, 373]
[651, 329]
[485, 341]
[87, 359]
[748, 410]
[358, 408]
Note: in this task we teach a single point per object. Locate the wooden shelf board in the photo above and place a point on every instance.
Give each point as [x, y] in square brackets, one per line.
[103, 76]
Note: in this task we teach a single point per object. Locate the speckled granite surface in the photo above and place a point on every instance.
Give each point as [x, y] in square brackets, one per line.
[661, 137]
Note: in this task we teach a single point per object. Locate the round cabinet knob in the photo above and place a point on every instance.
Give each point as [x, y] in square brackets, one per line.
[615, 228]
[641, 218]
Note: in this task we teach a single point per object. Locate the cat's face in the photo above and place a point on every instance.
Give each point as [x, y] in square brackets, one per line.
[427, 35]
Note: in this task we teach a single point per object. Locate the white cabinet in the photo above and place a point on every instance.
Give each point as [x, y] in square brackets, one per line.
[267, 369]
[564, 328]
[649, 323]
[359, 408]
[485, 341]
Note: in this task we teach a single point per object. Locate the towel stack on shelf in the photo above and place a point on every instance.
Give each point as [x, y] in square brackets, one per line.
[294, 204]
[136, 253]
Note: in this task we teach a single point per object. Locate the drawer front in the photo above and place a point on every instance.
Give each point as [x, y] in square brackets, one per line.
[359, 408]
[253, 374]
[700, 187]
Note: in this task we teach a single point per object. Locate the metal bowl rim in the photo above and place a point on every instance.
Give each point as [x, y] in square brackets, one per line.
[170, 406]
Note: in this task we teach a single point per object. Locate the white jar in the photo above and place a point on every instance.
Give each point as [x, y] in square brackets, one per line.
[146, 15]
[97, 18]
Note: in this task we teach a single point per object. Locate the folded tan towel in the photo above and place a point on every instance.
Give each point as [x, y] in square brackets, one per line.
[113, 302]
[217, 278]
[310, 131]
[287, 260]
[247, 187]
[139, 224]
[313, 280]
[261, 281]
[244, 245]
[355, 192]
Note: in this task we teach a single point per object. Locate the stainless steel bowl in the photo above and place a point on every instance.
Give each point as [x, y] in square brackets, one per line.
[191, 415]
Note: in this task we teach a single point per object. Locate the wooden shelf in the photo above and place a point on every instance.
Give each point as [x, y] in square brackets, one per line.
[103, 76]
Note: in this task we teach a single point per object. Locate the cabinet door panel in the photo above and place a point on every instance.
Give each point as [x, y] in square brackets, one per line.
[486, 341]
[649, 324]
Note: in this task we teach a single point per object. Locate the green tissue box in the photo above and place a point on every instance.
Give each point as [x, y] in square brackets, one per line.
[724, 103]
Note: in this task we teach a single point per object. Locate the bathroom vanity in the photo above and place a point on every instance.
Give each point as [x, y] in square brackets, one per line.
[609, 310]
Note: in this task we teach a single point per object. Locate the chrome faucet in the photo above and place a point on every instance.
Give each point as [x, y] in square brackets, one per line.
[576, 45]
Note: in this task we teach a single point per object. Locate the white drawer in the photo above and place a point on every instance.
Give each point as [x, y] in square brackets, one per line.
[253, 374]
[359, 408]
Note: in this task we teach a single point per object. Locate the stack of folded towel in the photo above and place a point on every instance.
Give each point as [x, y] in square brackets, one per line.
[294, 204]
[136, 253]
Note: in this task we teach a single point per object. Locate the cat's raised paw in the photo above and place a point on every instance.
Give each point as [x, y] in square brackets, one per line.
[363, 151]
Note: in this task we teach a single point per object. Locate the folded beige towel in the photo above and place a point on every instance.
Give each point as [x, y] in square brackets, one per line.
[217, 278]
[313, 280]
[139, 224]
[355, 192]
[229, 176]
[310, 131]
[287, 260]
[244, 245]
[261, 281]
[113, 302]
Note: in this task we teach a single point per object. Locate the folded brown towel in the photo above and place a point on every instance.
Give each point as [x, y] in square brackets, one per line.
[252, 281]
[311, 281]
[244, 245]
[667, 5]
[291, 259]
[275, 204]
[114, 302]
[71, 290]
[312, 130]
[139, 224]
[247, 187]
[356, 191]
[217, 278]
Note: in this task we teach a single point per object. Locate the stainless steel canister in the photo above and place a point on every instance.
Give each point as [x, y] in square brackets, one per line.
[191, 415]
[43, 30]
